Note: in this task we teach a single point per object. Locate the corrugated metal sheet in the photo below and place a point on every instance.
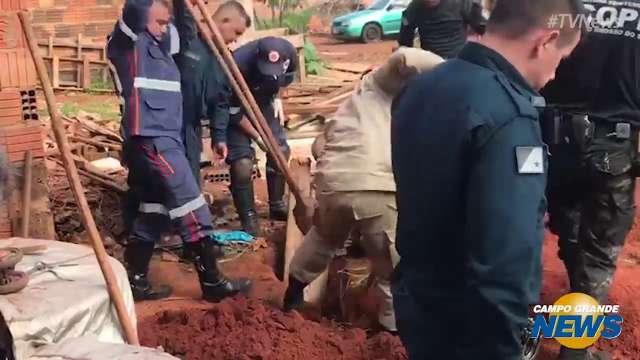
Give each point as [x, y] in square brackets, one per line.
[18, 71]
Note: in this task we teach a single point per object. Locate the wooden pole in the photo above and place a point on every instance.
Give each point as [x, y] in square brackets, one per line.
[243, 92]
[57, 126]
[26, 194]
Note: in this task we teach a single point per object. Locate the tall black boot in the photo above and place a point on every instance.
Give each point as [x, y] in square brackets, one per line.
[242, 192]
[294, 295]
[137, 255]
[276, 182]
[215, 286]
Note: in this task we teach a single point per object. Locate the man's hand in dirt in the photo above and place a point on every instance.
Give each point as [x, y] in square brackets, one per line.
[221, 151]
[303, 213]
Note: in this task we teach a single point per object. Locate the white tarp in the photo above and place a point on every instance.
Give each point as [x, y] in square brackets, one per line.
[89, 349]
[50, 310]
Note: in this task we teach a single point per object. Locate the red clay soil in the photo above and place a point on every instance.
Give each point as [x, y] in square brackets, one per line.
[242, 328]
[257, 329]
[625, 292]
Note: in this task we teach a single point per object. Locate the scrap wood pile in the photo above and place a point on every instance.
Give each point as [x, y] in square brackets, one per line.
[308, 104]
[96, 148]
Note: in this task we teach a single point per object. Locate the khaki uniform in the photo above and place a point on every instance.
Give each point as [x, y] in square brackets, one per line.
[354, 181]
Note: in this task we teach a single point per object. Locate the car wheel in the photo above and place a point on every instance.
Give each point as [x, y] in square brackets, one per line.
[371, 33]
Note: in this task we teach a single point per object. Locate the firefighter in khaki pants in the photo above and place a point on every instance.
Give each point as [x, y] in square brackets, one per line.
[355, 188]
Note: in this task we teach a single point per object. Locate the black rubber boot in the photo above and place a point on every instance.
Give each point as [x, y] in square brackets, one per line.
[276, 182]
[215, 286]
[582, 354]
[242, 192]
[137, 255]
[294, 296]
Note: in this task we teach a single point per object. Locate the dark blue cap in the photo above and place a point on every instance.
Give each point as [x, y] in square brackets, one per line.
[274, 56]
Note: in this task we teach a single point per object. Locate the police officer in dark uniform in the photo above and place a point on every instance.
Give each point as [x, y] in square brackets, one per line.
[205, 89]
[595, 101]
[267, 64]
[471, 209]
[442, 24]
[141, 49]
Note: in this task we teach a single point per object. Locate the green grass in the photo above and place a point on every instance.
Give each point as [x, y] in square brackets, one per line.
[99, 84]
[295, 22]
[69, 109]
[314, 65]
[106, 110]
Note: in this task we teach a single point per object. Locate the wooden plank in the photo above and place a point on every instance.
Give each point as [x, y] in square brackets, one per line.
[301, 171]
[86, 73]
[302, 70]
[80, 67]
[310, 109]
[50, 46]
[55, 71]
[72, 60]
[72, 44]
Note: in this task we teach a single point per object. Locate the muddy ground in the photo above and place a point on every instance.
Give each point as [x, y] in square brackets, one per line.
[255, 328]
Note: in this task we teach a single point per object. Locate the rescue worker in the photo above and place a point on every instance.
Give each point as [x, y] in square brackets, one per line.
[592, 177]
[205, 89]
[471, 207]
[267, 64]
[442, 24]
[141, 49]
[354, 182]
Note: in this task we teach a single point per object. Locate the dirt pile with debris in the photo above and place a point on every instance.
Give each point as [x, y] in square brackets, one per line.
[242, 328]
[104, 204]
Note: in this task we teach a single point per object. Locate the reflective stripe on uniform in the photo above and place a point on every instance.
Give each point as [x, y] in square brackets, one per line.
[187, 208]
[234, 110]
[174, 37]
[192, 55]
[127, 30]
[155, 84]
[153, 208]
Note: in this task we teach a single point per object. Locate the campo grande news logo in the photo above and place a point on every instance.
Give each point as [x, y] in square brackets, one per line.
[577, 321]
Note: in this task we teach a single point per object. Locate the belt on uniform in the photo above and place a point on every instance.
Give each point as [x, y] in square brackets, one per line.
[614, 130]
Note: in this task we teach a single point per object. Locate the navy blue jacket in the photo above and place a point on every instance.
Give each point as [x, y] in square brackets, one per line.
[205, 88]
[149, 76]
[470, 164]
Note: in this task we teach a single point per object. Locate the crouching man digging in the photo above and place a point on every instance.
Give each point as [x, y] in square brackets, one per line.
[355, 189]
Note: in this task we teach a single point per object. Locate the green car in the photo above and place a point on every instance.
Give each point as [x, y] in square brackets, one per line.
[381, 19]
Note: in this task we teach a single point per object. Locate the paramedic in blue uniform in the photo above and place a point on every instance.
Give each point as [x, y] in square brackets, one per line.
[267, 64]
[205, 89]
[471, 205]
[141, 49]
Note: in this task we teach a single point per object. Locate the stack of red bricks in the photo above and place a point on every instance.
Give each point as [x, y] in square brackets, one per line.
[67, 18]
[17, 135]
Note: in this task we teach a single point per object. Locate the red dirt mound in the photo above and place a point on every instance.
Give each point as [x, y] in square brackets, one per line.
[242, 328]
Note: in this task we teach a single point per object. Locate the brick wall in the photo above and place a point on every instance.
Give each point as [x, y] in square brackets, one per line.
[93, 19]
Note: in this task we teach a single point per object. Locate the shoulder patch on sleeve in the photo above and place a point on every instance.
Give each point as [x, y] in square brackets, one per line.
[530, 159]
